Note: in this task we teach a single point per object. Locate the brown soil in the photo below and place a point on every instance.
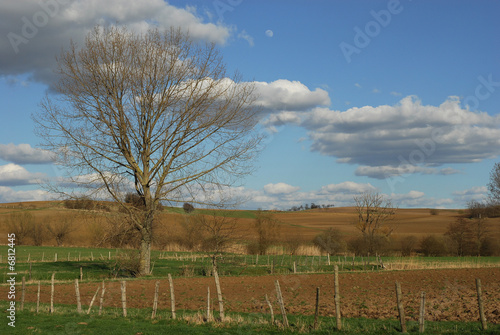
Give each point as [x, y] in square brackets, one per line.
[450, 293]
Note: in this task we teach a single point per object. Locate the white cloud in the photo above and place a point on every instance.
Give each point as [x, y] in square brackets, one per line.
[358, 85]
[269, 33]
[7, 195]
[280, 188]
[26, 50]
[15, 175]
[24, 154]
[405, 138]
[289, 95]
[375, 90]
[478, 193]
[396, 94]
[385, 171]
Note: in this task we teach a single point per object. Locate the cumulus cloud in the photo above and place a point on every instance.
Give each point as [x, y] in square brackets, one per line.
[15, 175]
[8, 194]
[478, 193]
[408, 137]
[341, 195]
[280, 188]
[24, 154]
[33, 32]
[269, 33]
[289, 95]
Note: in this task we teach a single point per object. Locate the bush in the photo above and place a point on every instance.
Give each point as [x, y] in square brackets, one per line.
[126, 264]
[188, 208]
[61, 229]
[331, 242]
[490, 247]
[79, 203]
[434, 211]
[433, 246]
[360, 246]
[21, 225]
[408, 245]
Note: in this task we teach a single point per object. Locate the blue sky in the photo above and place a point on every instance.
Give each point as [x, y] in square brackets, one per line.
[398, 97]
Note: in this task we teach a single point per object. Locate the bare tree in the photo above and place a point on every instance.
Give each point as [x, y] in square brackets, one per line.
[152, 113]
[60, 228]
[461, 235]
[218, 230]
[375, 218]
[267, 229]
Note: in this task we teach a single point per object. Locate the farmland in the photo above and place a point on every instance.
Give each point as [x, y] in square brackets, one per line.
[366, 283]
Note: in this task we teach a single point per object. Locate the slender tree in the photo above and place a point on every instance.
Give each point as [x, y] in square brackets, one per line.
[151, 113]
[375, 218]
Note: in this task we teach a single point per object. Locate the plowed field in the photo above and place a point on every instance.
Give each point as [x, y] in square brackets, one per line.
[450, 293]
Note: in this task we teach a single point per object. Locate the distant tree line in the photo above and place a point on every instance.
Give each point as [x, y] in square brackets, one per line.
[307, 206]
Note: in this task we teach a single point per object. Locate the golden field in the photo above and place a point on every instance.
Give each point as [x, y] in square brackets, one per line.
[301, 224]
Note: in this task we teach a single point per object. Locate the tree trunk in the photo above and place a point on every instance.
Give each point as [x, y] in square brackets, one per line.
[145, 257]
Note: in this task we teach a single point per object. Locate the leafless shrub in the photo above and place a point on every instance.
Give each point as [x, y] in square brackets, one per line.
[126, 264]
[21, 225]
[331, 241]
[408, 245]
[433, 246]
[61, 228]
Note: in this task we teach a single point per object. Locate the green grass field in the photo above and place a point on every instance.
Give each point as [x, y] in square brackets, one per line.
[101, 263]
[138, 321]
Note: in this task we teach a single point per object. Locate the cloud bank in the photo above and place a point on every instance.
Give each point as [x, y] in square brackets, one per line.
[32, 32]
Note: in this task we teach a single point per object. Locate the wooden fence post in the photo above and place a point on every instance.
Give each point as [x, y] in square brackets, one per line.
[281, 303]
[93, 299]
[29, 278]
[482, 317]
[172, 295]
[294, 267]
[81, 273]
[421, 319]
[155, 300]
[270, 309]
[219, 295]
[400, 308]
[208, 304]
[124, 298]
[55, 257]
[77, 293]
[336, 297]
[22, 293]
[38, 298]
[52, 293]
[101, 301]
[316, 311]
